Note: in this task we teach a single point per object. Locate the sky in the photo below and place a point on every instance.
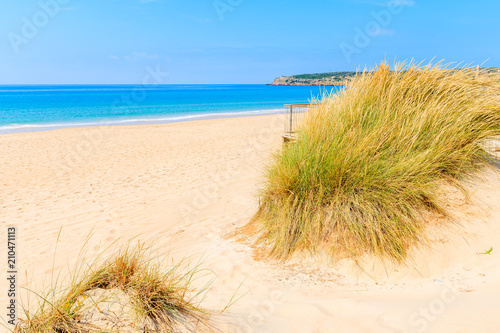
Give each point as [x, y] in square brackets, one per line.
[233, 41]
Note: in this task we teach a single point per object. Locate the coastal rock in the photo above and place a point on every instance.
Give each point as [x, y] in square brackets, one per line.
[328, 79]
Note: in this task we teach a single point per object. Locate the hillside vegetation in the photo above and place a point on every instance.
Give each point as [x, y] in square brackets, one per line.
[319, 79]
[336, 78]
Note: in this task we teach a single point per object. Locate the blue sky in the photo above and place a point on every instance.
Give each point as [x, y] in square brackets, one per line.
[233, 41]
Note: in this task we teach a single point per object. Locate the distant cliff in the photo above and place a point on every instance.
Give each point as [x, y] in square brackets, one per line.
[319, 79]
[335, 78]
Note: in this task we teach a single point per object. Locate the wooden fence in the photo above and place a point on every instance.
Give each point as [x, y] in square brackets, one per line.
[294, 115]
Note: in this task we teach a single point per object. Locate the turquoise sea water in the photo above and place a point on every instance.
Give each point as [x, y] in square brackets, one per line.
[33, 108]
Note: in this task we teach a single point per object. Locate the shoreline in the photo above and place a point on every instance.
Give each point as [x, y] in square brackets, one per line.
[33, 127]
[185, 186]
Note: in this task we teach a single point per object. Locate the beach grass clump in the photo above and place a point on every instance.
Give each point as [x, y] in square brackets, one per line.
[130, 292]
[369, 161]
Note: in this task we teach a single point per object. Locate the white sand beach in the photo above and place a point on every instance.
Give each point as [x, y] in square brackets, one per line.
[184, 187]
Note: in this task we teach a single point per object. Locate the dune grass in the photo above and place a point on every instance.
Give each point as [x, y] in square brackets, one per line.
[161, 297]
[369, 161]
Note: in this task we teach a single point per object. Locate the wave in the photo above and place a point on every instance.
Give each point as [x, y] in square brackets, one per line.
[34, 127]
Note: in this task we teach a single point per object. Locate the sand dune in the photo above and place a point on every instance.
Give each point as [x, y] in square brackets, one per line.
[186, 186]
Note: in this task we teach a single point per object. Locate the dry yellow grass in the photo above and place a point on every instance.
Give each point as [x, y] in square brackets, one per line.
[161, 298]
[369, 159]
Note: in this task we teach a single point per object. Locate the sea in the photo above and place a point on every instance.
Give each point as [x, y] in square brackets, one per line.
[28, 108]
